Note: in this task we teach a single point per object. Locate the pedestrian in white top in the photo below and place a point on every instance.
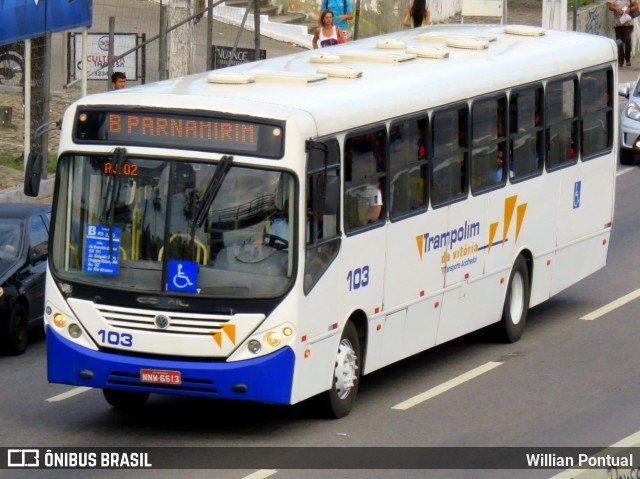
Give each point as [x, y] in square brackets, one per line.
[327, 33]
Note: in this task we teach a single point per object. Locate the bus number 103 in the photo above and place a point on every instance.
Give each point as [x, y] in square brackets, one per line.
[115, 338]
[358, 278]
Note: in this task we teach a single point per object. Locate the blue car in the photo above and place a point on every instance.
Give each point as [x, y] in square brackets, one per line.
[24, 239]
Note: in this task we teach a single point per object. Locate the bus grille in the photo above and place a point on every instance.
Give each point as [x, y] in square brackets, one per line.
[120, 378]
[177, 322]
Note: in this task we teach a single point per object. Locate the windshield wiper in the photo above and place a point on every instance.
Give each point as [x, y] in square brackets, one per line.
[113, 194]
[212, 190]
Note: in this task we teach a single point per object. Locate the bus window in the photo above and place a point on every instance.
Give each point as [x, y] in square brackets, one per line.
[488, 165]
[525, 133]
[597, 112]
[407, 163]
[450, 149]
[561, 123]
[364, 157]
[323, 207]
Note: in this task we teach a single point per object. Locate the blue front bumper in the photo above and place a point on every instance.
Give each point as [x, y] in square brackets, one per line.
[264, 379]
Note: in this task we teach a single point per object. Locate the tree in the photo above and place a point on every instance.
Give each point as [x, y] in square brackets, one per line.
[180, 41]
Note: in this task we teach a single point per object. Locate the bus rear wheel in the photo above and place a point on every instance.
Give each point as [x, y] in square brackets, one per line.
[339, 400]
[516, 303]
[125, 400]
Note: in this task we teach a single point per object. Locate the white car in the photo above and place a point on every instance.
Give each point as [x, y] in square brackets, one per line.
[630, 123]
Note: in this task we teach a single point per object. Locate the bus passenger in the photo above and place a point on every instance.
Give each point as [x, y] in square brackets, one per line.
[370, 203]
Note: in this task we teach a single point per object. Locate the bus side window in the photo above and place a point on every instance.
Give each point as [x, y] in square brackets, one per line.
[596, 131]
[489, 160]
[323, 212]
[561, 123]
[407, 163]
[364, 178]
[450, 153]
[525, 132]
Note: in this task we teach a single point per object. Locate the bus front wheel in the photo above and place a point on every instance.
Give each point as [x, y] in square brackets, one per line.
[339, 400]
[516, 303]
[125, 400]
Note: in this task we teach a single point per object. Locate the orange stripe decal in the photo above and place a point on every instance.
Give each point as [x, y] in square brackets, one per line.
[520, 217]
[230, 330]
[420, 241]
[217, 337]
[493, 227]
[509, 207]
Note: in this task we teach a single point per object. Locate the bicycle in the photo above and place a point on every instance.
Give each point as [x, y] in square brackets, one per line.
[12, 65]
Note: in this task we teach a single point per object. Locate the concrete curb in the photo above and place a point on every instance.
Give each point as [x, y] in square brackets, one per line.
[16, 194]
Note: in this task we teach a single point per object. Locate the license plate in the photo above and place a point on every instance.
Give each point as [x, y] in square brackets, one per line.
[156, 376]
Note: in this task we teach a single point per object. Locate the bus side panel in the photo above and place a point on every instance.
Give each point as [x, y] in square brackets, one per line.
[579, 260]
[537, 200]
[542, 277]
[316, 316]
[584, 213]
[467, 233]
[420, 268]
[474, 305]
[361, 282]
[586, 199]
[467, 286]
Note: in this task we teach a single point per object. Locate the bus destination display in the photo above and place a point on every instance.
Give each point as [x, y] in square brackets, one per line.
[183, 131]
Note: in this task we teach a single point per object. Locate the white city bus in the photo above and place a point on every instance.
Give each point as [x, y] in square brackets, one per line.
[273, 231]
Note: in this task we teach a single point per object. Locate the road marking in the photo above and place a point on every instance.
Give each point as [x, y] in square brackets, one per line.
[630, 441]
[68, 394]
[444, 387]
[607, 308]
[623, 171]
[261, 474]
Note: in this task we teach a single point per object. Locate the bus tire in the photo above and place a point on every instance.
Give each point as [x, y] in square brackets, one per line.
[516, 303]
[125, 400]
[627, 157]
[14, 335]
[338, 401]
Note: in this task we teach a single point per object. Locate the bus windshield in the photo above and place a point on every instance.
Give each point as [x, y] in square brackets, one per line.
[129, 223]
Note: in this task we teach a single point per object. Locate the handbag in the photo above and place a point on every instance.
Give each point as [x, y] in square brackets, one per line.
[634, 13]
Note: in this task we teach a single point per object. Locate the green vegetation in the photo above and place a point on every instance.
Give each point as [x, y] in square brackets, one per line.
[13, 159]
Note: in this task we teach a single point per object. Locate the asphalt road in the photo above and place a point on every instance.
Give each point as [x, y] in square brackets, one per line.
[569, 382]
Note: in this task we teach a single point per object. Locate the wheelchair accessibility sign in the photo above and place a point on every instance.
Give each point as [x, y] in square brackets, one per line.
[183, 276]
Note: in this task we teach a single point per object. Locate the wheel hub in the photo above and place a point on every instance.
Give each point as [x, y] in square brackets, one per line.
[346, 369]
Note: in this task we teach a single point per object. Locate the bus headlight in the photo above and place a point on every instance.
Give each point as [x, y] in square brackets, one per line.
[74, 330]
[254, 346]
[273, 339]
[59, 320]
[267, 341]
